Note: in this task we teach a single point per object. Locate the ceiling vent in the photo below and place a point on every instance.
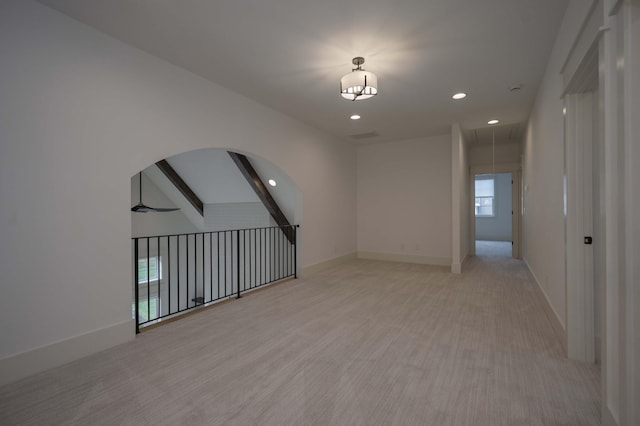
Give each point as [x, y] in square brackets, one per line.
[365, 135]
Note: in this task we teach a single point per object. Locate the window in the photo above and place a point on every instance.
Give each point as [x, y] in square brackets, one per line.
[154, 269]
[484, 205]
[149, 308]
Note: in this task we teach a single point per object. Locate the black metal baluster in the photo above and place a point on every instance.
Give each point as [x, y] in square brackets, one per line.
[158, 269]
[195, 270]
[260, 254]
[247, 260]
[291, 251]
[135, 284]
[203, 292]
[279, 253]
[178, 266]
[186, 244]
[246, 264]
[225, 263]
[237, 262]
[251, 257]
[169, 273]
[148, 292]
[211, 266]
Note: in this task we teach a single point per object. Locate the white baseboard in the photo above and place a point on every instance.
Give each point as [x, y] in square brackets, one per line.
[317, 267]
[607, 417]
[24, 364]
[404, 258]
[456, 268]
[553, 316]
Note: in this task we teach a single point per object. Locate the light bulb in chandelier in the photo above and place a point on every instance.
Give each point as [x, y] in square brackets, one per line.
[358, 84]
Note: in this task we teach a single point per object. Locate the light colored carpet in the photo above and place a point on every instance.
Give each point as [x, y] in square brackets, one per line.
[364, 343]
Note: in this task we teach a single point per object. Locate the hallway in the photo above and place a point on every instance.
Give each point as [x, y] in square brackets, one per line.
[362, 343]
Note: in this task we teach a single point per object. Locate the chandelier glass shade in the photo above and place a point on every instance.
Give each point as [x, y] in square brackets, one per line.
[358, 84]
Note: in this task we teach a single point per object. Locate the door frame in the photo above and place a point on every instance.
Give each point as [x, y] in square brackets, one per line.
[516, 203]
[580, 309]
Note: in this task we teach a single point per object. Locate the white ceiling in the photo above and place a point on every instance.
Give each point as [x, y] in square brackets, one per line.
[501, 134]
[290, 54]
[215, 178]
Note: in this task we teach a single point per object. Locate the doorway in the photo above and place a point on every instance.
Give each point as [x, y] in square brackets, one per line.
[493, 214]
[495, 210]
[585, 209]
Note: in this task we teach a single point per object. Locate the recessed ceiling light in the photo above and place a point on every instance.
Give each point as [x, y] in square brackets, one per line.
[355, 117]
[272, 182]
[493, 122]
[460, 95]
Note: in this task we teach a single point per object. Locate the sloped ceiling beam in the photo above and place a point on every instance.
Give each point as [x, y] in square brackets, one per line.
[261, 190]
[182, 186]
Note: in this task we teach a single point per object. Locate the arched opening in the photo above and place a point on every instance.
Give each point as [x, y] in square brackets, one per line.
[206, 228]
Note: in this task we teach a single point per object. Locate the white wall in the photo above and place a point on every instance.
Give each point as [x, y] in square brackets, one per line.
[223, 216]
[80, 113]
[599, 208]
[543, 171]
[619, 71]
[148, 224]
[460, 198]
[498, 227]
[404, 200]
[620, 97]
[632, 197]
[504, 153]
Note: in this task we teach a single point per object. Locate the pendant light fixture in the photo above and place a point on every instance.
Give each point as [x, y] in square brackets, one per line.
[493, 145]
[358, 84]
[493, 152]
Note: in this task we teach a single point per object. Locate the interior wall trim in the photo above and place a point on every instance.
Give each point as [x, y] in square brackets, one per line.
[325, 264]
[580, 69]
[554, 318]
[405, 258]
[580, 36]
[456, 268]
[24, 364]
[607, 417]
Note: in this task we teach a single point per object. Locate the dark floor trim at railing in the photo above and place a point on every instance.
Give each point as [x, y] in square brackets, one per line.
[181, 272]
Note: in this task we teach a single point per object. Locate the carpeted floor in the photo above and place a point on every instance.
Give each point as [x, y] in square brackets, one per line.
[493, 248]
[364, 343]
